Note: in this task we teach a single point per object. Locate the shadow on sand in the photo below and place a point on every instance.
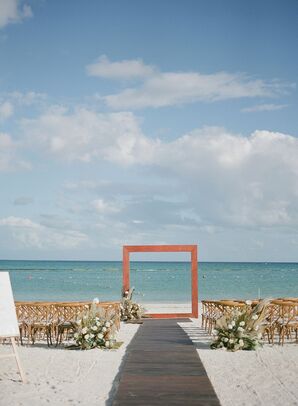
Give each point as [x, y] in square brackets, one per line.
[199, 337]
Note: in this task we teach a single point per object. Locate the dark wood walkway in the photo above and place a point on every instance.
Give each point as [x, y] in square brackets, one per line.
[162, 367]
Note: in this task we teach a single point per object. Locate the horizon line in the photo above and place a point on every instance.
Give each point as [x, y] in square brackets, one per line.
[120, 260]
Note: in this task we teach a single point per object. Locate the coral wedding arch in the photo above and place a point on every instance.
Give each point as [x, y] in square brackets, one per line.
[192, 249]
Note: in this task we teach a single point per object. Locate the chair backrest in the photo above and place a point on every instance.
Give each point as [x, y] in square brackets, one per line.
[34, 312]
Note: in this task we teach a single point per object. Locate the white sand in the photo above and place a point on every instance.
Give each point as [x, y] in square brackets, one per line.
[62, 377]
[265, 377]
[268, 376]
[167, 307]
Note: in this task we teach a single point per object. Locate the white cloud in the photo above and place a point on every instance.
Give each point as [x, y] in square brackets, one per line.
[240, 181]
[31, 234]
[138, 221]
[27, 98]
[9, 160]
[7, 150]
[161, 89]
[11, 12]
[166, 89]
[11, 101]
[225, 179]
[126, 69]
[84, 184]
[104, 207]
[6, 110]
[264, 107]
[18, 222]
[86, 135]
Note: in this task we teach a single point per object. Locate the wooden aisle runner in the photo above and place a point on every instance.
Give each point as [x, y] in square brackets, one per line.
[162, 367]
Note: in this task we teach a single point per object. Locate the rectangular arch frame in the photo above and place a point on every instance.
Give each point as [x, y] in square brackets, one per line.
[192, 249]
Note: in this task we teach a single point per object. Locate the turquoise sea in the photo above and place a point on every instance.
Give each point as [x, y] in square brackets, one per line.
[164, 282]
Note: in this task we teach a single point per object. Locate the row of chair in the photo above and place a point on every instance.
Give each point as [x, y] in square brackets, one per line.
[280, 323]
[54, 321]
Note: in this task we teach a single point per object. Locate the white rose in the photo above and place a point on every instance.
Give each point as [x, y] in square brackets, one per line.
[100, 336]
[255, 317]
[242, 323]
[91, 335]
[104, 330]
[230, 327]
[225, 339]
[231, 340]
[94, 328]
[240, 329]
[86, 336]
[256, 328]
[84, 330]
[248, 302]
[76, 335]
[233, 323]
[241, 343]
[108, 324]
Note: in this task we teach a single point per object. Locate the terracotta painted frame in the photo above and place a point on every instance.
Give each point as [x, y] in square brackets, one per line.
[193, 249]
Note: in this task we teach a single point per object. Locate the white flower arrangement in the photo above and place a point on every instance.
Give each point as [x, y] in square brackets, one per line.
[96, 328]
[130, 310]
[241, 329]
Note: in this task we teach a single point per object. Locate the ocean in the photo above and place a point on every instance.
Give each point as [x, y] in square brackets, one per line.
[154, 282]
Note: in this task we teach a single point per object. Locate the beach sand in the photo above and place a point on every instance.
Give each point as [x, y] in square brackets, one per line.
[62, 377]
[264, 377]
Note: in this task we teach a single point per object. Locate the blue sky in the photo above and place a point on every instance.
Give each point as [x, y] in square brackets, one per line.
[134, 122]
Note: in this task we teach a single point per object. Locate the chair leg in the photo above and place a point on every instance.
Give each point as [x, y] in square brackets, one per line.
[60, 332]
[21, 333]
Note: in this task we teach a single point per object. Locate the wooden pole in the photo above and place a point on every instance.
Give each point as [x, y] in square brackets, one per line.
[15, 350]
[125, 269]
[15, 354]
[194, 282]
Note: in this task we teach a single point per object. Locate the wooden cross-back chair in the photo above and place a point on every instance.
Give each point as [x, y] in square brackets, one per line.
[35, 320]
[281, 320]
[67, 316]
[55, 321]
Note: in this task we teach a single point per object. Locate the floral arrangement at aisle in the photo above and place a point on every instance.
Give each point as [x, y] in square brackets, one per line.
[96, 328]
[241, 329]
[130, 310]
